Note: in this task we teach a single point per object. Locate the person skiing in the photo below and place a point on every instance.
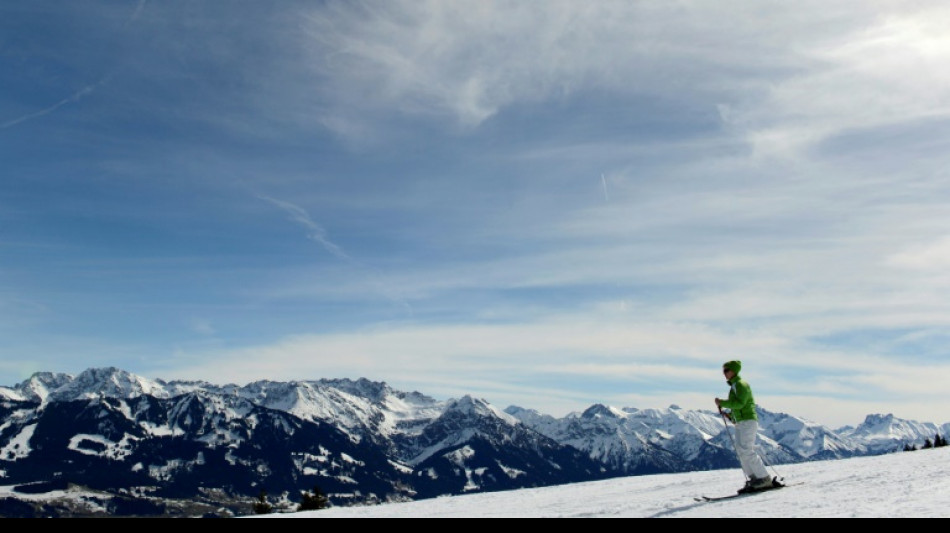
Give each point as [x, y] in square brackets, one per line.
[741, 405]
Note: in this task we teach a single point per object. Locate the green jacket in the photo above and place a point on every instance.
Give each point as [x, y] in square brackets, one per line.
[741, 401]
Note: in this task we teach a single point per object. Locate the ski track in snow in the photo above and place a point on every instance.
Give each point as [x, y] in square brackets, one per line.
[902, 485]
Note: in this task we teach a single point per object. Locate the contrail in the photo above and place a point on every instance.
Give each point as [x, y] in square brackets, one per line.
[317, 233]
[72, 99]
[603, 180]
[82, 93]
[138, 10]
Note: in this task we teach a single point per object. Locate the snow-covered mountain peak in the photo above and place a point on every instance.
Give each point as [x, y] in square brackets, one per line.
[108, 382]
[514, 410]
[807, 438]
[603, 411]
[878, 420]
[383, 399]
[361, 408]
[532, 418]
[376, 392]
[473, 407]
[883, 433]
[39, 387]
[883, 424]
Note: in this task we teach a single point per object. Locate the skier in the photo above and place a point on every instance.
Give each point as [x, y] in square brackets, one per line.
[743, 414]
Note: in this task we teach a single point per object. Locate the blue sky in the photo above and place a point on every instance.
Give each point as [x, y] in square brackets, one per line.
[549, 206]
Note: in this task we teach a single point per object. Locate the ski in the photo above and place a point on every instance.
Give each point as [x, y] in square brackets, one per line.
[744, 494]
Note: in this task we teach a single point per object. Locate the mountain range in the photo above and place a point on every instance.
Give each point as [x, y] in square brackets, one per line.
[149, 447]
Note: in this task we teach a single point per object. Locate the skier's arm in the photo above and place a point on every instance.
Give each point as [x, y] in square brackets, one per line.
[741, 398]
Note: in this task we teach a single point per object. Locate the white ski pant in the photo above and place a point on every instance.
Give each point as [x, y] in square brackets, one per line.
[752, 464]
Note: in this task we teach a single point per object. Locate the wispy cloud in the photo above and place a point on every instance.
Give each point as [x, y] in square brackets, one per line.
[466, 59]
[202, 327]
[874, 75]
[933, 257]
[543, 363]
[471, 59]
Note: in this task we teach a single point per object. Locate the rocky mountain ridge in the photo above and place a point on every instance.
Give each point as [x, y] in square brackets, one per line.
[145, 444]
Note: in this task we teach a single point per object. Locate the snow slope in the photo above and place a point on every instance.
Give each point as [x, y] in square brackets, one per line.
[903, 485]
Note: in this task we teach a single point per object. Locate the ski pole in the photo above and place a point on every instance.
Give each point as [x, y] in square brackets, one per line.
[725, 422]
[765, 460]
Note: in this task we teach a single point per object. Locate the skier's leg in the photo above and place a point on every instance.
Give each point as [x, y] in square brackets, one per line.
[752, 465]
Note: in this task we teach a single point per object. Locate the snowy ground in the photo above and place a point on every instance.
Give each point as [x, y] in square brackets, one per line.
[904, 485]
